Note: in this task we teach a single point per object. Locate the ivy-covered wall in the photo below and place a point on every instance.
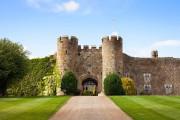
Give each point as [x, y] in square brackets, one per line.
[42, 79]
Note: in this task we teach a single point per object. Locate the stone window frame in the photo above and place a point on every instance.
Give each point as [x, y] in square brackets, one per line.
[147, 87]
[147, 77]
[168, 88]
[168, 85]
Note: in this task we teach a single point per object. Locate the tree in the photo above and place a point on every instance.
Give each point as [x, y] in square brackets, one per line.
[13, 63]
[112, 85]
[69, 83]
[128, 85]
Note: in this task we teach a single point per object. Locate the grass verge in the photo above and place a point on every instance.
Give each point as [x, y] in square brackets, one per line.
[149, 107]
[30, 108]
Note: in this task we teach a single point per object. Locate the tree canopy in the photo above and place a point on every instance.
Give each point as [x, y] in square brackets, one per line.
[13, 62]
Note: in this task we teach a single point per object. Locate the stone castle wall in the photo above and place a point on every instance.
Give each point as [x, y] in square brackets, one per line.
[165, 74]
[89, 65]
[84, 61]
[158, 76]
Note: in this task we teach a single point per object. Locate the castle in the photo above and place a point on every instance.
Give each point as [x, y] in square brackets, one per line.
[155, 75]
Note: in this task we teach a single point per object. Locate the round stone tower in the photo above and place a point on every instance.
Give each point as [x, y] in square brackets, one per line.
[67, 53]
[112, 56]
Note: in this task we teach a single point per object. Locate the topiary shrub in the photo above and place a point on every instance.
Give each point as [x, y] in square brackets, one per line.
[112, 85]
[128, 86]
[69, 83]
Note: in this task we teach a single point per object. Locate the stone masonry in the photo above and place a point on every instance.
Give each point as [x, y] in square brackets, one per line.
[155, 75]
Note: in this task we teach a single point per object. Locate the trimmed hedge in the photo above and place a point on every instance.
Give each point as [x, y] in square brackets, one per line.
[112, 85]
[69, 83]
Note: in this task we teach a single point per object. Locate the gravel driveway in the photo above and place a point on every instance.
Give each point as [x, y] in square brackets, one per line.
[90, 108]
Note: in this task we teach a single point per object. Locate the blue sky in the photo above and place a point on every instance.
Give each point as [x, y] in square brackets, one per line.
[144, 24]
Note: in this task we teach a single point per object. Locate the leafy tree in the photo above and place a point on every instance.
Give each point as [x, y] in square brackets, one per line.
[69, 83]
[112, 85]
[13, 63]
[128, 85]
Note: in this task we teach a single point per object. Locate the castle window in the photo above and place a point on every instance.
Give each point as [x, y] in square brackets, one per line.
[147, 88]
[147, 77]
[66, 52]
[168, 88]
[79, 54]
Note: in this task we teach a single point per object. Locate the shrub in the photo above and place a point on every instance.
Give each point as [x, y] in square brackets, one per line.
[112, 85]
[69, 83]
[128, 86]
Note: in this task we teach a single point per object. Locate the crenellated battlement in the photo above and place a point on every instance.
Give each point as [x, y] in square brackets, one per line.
[87, 47]
[111, 38]
[66, 38]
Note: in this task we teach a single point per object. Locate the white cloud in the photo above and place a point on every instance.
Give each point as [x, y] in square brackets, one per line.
[69, 6]
[55, 5]
[34, 3]
[166, 43]
[37, 3]
[146, 50]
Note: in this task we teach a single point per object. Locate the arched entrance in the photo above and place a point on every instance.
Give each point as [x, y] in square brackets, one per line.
[89, 86]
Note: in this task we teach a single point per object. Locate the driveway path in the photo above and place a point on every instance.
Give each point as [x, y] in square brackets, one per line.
[90, 108]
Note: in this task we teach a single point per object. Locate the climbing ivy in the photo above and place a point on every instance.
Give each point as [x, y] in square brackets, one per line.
[42, 79]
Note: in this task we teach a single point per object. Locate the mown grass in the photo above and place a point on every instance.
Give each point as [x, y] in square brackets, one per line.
[30, 108]
[149, 107]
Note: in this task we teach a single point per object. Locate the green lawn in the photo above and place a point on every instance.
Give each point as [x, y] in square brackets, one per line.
[150, 107]
[32, 108]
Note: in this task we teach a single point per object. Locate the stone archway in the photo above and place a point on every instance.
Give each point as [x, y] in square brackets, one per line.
[93, 80]
[89, 86]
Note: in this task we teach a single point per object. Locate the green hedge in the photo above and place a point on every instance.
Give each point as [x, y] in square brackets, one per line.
[69, 83]
[42, 79]
[112, 85]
